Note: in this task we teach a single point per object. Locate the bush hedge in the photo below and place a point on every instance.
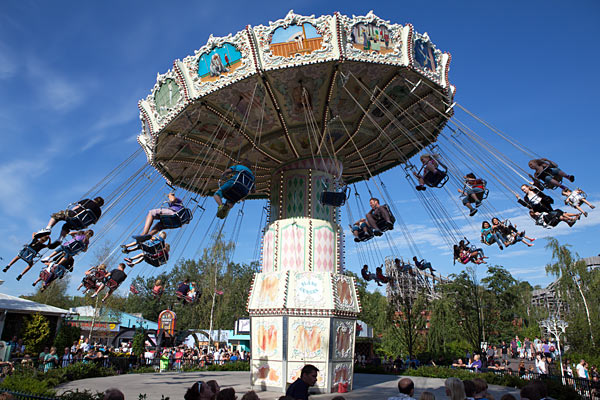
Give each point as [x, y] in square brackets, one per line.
[39, 383]
[556, 389]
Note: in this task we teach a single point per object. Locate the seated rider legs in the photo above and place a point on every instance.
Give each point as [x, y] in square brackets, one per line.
[380, 213]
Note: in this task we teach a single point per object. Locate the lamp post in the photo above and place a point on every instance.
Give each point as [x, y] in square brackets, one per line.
[556, 326]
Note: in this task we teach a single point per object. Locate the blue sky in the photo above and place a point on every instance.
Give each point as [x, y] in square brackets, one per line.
[72, 73]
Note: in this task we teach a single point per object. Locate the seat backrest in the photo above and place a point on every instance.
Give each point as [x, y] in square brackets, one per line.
[243, 184]
[82, 219]
[334, 199]
[74, 247]
[176, 220]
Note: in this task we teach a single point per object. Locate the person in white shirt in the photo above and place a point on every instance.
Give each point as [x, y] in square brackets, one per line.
[581, 369]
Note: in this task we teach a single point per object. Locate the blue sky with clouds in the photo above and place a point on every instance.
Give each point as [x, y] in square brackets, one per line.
[72, 73]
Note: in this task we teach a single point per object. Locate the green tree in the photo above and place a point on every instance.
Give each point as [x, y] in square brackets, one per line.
[139, 339]
[66, 335]
[36, 332]
[55, 295]
[579, 287]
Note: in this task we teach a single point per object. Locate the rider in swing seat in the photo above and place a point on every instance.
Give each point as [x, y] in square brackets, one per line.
[54, 271]
[246, 181]
[432, 175]
[93, 277]
[534, 199]
[548, 172]
[158, 289]
[423, 265]
[161, 256]
[379, 217]
[29, 253]
[86, 204]
[155, 242]
[361, 230]
[174, 204]
[113, 280]
[71, 247]
[473, 192]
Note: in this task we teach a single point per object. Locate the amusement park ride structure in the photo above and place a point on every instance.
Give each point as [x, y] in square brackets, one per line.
[309, 104]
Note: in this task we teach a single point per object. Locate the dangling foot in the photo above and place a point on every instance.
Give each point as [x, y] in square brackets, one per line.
[5, 268]
[420, 188]
[473, 212]
[124, 249]
[94, 295]
[222, 211]
[571, 178]
[585, 214]
[592, 206]
[355, 239]
[128, 260]
[377, 232]
[501, 248]
[19, 277]
[42, 232]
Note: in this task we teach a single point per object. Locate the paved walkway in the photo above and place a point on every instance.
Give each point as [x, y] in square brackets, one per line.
[174, 385]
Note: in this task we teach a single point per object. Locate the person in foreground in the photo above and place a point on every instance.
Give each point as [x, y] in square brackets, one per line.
[406, 387]
[200, 391]
[299, 389]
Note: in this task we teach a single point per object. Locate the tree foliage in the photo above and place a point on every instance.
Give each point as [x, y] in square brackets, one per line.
[36, 332]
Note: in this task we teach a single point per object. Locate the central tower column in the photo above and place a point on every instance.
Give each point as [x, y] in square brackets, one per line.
[302, 309]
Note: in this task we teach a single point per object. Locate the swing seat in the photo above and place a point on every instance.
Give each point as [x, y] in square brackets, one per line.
[89, 283]
[437, 180]
[483, 195]
[45, 274]
[382, 224]
[133, 289]
[73, 248]
[240, 188]
[334, 199]
[157, 293]
[27, 254]
[174, 221]
[365, 236]
[151, 247]
[156, 261]
[112, 284]
[81, 219]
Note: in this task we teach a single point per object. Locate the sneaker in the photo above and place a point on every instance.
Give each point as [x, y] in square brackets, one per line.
[571, 178]
[222, 211]
[94, 295]
[141, 238]
[473, 212]
[377, 232]
[45, 260]
[127, 260]
[355, 239]
[390, 225]
[477, 203]
[501, 248]
[124, 249]
[420, 188]
[42, 232]
[5, 269]
[19, 277]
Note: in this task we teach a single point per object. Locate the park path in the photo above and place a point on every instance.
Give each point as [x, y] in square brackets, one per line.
[174, 385]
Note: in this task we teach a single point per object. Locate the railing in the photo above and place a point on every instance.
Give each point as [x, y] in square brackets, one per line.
[126, 364]
[26, 396]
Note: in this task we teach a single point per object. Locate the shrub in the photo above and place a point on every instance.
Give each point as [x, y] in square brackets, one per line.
[36, 332]
[84, 395]
[27, 383]
[555, 388]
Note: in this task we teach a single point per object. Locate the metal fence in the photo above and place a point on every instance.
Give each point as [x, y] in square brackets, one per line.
[26, 396]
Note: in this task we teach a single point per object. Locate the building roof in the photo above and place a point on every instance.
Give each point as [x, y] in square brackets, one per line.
[18, 305]
[592, 261]
[124, 319]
